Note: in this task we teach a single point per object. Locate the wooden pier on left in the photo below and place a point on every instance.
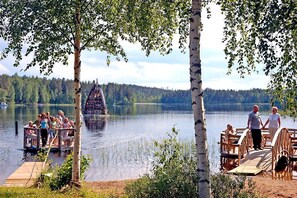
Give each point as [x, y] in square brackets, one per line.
[25, 175]
[63, 140]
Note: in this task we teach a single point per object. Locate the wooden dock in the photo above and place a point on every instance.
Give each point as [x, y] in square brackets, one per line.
[25, 175]
[254, 163]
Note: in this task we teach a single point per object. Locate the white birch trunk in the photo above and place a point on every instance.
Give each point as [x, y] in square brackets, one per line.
[197, 101]
[77, 92]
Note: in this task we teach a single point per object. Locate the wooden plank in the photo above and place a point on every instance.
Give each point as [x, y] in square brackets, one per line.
[25, 175]
[245, 170]
[254, 163]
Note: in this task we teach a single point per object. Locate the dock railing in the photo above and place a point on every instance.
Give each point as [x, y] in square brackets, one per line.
[293, 136]
[236, 145]
[243, 143]
[281, 148]
[32, 139]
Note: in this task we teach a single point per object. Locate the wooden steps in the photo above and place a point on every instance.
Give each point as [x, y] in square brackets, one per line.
[254, 163]
[25, 175]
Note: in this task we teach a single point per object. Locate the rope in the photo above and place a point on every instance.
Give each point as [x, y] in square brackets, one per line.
[30, 175]
[49, 149]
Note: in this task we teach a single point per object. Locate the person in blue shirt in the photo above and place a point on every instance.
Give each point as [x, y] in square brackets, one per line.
[43, 129]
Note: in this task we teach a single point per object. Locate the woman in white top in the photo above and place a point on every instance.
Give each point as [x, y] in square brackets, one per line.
[274, 121]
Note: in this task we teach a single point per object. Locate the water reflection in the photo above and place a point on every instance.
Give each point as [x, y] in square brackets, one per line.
[95, 124]
[228, 164]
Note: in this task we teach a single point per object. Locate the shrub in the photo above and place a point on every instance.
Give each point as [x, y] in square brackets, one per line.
[41, 155]
[174, 175]
[62, 175]
[173, 172]
[223, 185]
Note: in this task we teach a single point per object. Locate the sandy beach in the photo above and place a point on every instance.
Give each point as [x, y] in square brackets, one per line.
[265, 186]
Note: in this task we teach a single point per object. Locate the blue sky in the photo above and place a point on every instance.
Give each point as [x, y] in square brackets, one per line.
[170, 71]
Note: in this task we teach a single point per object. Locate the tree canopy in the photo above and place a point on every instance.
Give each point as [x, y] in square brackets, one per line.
[46, 29]
[51, 30]
[264, 32]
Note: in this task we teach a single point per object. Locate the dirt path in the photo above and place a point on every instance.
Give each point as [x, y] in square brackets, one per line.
[275, 188]
[266, 187]
[114, 187]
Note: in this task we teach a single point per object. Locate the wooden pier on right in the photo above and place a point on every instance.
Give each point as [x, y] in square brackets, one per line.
[278, 157]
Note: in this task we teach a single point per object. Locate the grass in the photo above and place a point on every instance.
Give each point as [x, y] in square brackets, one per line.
[86, 191]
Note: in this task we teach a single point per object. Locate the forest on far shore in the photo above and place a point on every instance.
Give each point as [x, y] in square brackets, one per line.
[33, 90]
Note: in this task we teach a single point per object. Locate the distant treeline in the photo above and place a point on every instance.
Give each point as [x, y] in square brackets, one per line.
[33, 90]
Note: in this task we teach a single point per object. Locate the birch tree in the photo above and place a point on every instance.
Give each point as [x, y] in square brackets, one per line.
[197, 99]
[264, 33]
[52, 30]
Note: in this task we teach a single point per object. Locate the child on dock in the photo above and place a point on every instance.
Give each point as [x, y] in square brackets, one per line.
[52, 128]
[65, 133]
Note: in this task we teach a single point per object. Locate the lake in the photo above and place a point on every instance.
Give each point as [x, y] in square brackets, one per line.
[121, 145]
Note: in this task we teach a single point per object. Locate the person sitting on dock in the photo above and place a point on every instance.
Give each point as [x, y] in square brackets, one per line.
[31, 125]
[31, 134]
[229, 131]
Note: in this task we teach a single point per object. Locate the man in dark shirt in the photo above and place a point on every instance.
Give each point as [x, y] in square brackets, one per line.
[254, 122]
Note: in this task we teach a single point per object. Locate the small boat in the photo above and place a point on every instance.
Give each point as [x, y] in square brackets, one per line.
[3, 104]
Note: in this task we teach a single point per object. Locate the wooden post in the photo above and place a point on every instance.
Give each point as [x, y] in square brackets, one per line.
[16, 128]
[25, 139]
[59, 139]
[38, 139]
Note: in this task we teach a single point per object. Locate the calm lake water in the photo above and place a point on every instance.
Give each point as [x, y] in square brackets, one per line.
[121, 145]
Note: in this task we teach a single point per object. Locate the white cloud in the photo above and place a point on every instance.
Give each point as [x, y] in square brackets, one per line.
[233, 81]
[4, 70]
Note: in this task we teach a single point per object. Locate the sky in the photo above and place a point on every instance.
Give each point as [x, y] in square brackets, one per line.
[168, 72]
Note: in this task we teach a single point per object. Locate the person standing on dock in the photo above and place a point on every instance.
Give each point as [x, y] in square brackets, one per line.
[43, 129]
[274, 121]
[254, 122]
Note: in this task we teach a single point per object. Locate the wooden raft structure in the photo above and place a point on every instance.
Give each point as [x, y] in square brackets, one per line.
[25, 175]
[64, 140]
[251, 162]
[95, 103]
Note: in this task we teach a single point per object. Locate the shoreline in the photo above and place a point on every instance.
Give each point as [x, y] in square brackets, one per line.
[265, 186]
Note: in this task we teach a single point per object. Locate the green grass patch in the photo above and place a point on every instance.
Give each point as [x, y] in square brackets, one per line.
[16, 192]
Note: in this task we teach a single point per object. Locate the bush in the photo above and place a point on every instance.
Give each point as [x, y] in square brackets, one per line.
[173, 173]
[223, 185]
[62, 175]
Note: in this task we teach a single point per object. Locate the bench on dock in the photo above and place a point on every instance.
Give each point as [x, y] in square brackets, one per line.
[235, 146]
